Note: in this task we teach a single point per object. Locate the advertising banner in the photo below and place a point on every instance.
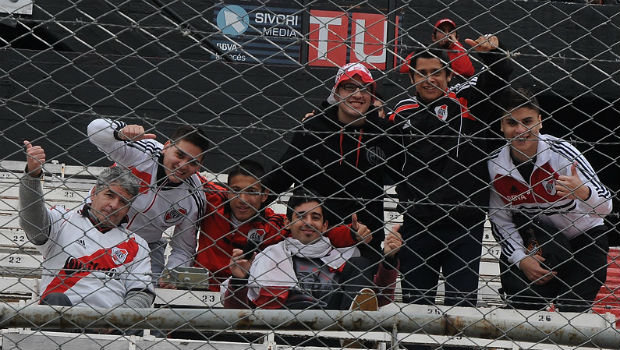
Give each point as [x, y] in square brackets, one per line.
[258, 34]
[336, 38]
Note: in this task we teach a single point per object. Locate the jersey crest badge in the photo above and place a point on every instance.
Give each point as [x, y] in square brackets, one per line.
[119, 255]
[174, 214]
[442, 112]
[256, 235]
[549, 186]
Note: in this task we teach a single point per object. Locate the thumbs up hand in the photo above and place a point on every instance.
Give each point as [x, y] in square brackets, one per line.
[35, 156]
[135, 133]
[362, 233]
[571, 186]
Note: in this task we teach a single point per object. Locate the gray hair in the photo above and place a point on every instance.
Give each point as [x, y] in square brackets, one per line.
[121, 177]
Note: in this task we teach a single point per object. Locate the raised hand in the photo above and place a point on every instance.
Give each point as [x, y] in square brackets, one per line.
[362, 232]
[35, 156]
[134, 133]
[484, 43]
[571, 186]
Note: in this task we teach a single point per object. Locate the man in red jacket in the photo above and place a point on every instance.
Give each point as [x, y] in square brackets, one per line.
[446, 37]
[237, 220]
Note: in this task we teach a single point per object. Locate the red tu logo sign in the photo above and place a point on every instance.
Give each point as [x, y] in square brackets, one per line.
[329, 39]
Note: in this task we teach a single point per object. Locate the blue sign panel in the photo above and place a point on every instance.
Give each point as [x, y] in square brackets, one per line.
[258, 34]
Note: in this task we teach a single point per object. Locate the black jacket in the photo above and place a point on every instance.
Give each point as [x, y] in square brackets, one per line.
[345, 165]
[447, 177]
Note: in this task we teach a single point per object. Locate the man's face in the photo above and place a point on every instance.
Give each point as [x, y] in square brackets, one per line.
[443, 33]
[110, 205]
[246, 196]
[522, 127]
[354, 97]
[307, 222]
[430, 79]
[181, 160]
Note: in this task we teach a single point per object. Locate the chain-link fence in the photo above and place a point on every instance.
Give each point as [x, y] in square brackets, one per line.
[396, 202]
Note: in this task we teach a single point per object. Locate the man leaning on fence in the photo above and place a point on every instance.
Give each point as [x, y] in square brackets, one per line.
[446, 192]
[305, 271]
[239, 220]
[171, 192]
[88, 258]
[547, 209]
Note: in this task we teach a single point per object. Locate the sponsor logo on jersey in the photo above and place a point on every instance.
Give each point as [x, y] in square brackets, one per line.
[516, 197]
[119, 255]
[549, 186]
[442, 112]
[73, 265]
[174, 214]
[375, 155]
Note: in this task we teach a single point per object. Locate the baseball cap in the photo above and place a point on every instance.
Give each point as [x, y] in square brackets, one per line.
[347, 72]
[444, 21]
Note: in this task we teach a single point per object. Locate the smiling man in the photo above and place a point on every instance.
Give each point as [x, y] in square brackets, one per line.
[306, 271]
[341, 153]
[88, 258]
[240, 221]
[543, 186]
[171, 192]
[446, 192]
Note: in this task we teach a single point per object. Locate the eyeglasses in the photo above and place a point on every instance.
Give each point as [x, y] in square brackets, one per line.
[353, 88]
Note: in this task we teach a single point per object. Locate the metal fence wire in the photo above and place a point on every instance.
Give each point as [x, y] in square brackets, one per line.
[374, 174]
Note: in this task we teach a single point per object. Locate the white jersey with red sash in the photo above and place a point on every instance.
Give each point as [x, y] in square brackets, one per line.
[537, 195]
[89, 266]
[161, 204]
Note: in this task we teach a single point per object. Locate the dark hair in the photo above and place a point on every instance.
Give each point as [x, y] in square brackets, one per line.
[195, 136]
[518, 98]
[299, 197]
[430, 52]
[247, 167]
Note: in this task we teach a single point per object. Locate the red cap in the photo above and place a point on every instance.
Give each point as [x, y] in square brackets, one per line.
[444, 21]
[347, 72]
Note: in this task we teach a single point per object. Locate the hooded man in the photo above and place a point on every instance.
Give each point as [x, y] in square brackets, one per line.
[341, 153]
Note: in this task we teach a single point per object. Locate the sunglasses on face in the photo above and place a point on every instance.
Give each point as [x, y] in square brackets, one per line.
[353, 88]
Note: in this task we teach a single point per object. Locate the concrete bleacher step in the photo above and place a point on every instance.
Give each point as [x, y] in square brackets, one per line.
[15, 238]
[9, 220]
[22, 288]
